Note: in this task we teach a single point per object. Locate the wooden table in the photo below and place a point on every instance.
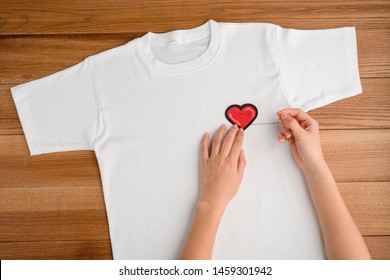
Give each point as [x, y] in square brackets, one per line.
[51, 206]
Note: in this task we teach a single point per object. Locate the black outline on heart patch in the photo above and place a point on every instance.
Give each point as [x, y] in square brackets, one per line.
[241, 107]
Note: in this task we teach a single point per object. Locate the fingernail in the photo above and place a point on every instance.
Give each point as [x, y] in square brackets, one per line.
[235, 126]
[242, 130]
[284, 116]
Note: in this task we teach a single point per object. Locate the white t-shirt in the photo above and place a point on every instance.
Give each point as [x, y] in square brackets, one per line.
[144, 106]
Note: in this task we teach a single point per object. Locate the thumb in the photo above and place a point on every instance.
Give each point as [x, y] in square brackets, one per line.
[292, 124]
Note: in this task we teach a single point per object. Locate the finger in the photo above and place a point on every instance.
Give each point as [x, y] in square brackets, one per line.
[310, 124]
[286, 132]
[241, 163]
[296, 113]
[292, 124]
[228, 141]
[291, 140]
[237, 145]
[215, 147]
[205, 147]
[281, 138]
[305, 120]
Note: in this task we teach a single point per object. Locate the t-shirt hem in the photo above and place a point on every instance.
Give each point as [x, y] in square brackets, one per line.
[330, 98]
[23, 112]
[59, 149]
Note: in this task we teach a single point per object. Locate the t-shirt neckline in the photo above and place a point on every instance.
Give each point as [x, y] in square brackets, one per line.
[210, 28]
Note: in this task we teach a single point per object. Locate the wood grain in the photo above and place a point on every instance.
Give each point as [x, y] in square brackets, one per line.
[52, 207]
[56, 250]
[111, 16]
[369, 205]
[78, 168]
[379, 247]
[52, 214]
[357, 155]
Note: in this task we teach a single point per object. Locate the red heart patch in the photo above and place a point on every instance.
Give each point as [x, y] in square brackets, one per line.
[242, 116]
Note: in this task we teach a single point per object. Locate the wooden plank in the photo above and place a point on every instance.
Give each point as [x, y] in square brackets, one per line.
[371, 109]
[369, 205]
[52, 214]
[46, 54]
[18, 168]
[47, 199]
[78, 213]
[379, 247]
[93, 16]
[31, 57]
[370, 51]
[56, 250]
[53, 225]
[357, 155]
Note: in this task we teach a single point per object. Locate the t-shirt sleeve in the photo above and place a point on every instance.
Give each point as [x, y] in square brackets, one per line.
[317, 67]
[59, 112]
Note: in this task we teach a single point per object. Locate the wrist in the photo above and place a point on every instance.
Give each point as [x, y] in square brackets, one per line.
[313, 165]
[318, 175]
[210, 208]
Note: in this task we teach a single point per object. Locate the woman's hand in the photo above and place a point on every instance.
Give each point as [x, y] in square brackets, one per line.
[222, 167]
[342, 237]
[302, 132]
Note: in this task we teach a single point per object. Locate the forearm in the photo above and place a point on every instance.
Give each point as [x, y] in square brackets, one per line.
[200, 242]
[341, 236]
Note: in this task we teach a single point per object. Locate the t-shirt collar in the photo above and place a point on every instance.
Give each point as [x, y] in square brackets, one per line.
[210, 27]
